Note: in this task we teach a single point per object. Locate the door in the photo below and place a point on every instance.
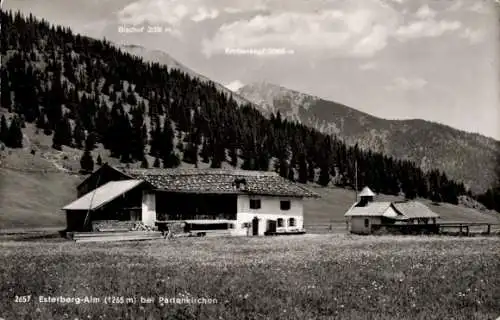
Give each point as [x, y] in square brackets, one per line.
[255, 226]
[271, 226]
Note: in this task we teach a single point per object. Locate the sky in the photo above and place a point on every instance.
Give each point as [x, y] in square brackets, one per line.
[397, 59]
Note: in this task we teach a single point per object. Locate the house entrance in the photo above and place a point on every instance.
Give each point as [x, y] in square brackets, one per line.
[255, 226]
[271, 226]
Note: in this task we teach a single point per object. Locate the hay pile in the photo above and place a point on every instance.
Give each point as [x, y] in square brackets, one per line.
[139, 226]
[102, 225]
[116, 225]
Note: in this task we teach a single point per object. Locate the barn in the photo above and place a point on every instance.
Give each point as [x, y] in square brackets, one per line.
[366, 215]
[239, 201]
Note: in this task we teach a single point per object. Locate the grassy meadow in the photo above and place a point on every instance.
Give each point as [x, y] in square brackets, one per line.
[290, 277]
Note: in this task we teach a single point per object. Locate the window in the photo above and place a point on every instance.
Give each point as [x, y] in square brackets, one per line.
[285, 205]
[279, 223]
[231, 226]
[254, 203]
[367, 223]
[291, 222]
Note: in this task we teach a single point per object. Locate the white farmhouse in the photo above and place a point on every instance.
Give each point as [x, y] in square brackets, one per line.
[237, 202]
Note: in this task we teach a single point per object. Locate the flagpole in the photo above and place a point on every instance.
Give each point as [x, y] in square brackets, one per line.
[356, 178]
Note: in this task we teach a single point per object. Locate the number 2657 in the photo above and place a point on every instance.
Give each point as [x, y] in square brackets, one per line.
[23, 299]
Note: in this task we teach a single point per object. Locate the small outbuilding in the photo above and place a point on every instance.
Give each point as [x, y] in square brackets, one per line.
[367, 215]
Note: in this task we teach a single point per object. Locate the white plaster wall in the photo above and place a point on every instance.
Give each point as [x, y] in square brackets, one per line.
[149, 209]
[270, 210]
[357, 224]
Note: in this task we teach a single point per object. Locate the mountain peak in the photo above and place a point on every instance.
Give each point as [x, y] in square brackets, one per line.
[235, 85]
[264, 85]
[163, 58]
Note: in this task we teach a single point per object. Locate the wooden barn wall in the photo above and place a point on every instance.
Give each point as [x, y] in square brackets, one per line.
[118, 209]
[75, 220]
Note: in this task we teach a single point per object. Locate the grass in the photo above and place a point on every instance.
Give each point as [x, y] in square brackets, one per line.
[294, 277]
[34, 199]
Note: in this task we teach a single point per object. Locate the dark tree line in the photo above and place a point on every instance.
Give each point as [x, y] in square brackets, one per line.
[11, 135]
[90, 92]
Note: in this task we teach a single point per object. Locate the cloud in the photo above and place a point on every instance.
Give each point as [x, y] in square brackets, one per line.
[456, 6]
[473, 35]
[234, 85]
[355, 28]
[426, 29]
[238, 6]
[479, 7]
[426, 25]
[352, 30]
[170, 12]
[153, 11]
[425, 12]
[372, 43]
[232, 10]
[205, 14]
[406, 84]
[368, 66]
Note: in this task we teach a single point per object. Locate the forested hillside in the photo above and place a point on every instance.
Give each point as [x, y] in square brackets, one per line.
[85, 93]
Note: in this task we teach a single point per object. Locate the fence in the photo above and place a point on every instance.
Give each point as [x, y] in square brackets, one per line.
[326, 227]
[405, 228]
[468, 228]
[445, 228]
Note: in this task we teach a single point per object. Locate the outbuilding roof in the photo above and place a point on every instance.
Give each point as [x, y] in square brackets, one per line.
[102, 195]
[414, 209]
[220, 181]
[404, 209]
[372, 209]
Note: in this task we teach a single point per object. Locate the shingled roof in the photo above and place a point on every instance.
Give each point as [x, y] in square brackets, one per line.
[372, 209]
[97, 198]
[219, 181]
[414, 209]
[405, 209]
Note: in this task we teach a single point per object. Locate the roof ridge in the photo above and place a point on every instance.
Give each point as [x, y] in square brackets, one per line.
[218, 180]
[200, 171]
